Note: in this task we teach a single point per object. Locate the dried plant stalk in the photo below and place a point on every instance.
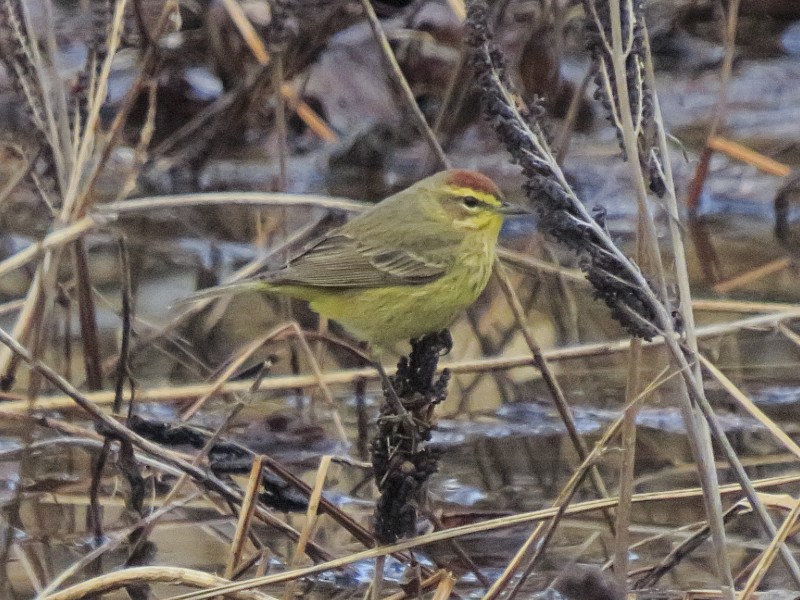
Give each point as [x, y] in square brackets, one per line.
[616, 279]
[599, 34]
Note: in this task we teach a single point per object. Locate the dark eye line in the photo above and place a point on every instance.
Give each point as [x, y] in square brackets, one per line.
[472, 202]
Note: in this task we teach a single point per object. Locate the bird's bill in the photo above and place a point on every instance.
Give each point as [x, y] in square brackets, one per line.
[506, 208]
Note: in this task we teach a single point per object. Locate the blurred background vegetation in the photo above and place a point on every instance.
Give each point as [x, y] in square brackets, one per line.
[203, 112]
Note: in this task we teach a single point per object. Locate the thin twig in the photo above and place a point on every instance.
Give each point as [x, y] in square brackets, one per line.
[557, 394]
[400, 79]
[721, 109]
[115, 428]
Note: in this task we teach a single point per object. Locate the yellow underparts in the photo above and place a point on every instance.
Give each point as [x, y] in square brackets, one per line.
[388, 315]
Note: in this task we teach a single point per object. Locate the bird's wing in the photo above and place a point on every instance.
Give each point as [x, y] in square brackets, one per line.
[338, 260]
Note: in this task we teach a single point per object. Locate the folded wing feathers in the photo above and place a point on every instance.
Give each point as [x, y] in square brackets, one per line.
[341, 261]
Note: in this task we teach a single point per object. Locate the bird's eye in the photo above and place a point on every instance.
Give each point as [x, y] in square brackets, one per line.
[471, 202]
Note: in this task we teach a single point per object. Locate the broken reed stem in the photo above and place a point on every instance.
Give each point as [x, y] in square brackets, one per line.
[246, 513]
[312, 515]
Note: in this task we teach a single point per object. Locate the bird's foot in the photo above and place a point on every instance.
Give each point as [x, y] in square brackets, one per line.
[445, 342]
[440, 342]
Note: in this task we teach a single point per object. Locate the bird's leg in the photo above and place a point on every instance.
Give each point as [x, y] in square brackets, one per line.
[445, 341]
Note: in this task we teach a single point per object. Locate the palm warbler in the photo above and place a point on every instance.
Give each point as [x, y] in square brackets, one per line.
[406, 267]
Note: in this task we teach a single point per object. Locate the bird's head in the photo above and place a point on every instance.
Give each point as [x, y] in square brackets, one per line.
[470, 201]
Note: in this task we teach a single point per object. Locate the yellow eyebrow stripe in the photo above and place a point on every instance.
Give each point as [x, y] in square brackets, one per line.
[482, 196]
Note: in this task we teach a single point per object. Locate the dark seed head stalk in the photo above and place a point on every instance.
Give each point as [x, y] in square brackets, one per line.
[402, 457]
[640, 96]
[615, 278]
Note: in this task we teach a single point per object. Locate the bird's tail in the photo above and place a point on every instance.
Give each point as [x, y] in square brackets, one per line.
[220, 291]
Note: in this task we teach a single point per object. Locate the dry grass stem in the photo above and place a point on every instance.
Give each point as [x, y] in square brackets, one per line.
[251, 37]
[137, 575]
[458, 8]
[56, 239]
[312, 514]
[256, 199]
[768, 556]
[489, 525]
[789, 334]
[398, 78]
[445, 588]
[556, 393]
[626, 477]
[114, 541]
[246, 513]
[321, 384]
[208, 481]
[745, 279]
[109, 129]
[748, 405]
[230, 370]
[749, 156]
[544, 531]
[182, 392]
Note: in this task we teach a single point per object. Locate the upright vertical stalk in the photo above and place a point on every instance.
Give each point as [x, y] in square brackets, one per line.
[628, 435]
[687, 316]
[697, 429]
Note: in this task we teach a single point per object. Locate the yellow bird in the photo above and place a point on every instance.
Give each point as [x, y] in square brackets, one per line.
[405, 268]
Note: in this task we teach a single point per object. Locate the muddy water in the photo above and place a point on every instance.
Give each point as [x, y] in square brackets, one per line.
[504, 448]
